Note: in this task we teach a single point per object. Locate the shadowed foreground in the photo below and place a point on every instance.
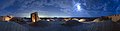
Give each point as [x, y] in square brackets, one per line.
[58, 26]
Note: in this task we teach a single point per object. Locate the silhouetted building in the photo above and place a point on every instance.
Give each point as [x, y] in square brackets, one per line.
[34, 17]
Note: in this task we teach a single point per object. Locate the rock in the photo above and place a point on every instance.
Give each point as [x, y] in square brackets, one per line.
[72, 23]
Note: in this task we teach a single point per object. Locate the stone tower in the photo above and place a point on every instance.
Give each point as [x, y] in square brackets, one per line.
[34, 17]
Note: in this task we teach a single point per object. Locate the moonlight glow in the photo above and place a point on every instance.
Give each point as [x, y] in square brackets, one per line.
[78, 7]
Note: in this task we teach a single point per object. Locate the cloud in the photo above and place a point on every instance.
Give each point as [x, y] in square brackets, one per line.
[65, 7]
[36, 5]
[41, 3]
[6, 3]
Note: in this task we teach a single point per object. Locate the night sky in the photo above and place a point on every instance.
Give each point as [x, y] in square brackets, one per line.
[60, 8]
